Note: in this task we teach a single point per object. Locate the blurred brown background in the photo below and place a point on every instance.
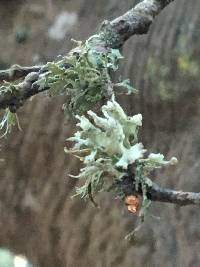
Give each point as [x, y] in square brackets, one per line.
[37, 216]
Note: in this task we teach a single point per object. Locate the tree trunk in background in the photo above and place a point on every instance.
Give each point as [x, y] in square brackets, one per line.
[38, 218]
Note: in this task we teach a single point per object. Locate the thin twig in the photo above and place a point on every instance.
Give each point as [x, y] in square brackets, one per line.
[162, 194]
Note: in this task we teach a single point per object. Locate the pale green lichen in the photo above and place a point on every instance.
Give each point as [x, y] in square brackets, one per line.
[155, 161]
[107, 145]
[84, 76]
[8, 121]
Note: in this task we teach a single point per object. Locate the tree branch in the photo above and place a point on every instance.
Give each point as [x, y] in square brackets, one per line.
[161, 194]
[114, 34]
[157, 193]
[135, 21]
[16, 72]
[24, 90]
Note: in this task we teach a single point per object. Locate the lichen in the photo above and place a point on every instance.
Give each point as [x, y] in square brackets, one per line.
[9, 120]
[84, 76]
[8, 88]
[107, 145]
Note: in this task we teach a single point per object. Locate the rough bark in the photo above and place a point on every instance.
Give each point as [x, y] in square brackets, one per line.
[161, 194]
[16, 72]
[115, 34]
[38, 217]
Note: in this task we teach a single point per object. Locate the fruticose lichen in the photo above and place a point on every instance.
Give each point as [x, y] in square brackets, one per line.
[107, 146]
[84, 75]
[9, 120]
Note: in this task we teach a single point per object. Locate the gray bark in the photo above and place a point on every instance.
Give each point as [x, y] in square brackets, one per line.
[37, 216]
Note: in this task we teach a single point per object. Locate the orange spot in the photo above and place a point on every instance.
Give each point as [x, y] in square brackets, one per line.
[132, 208]
[132, 200]
[132, 203]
